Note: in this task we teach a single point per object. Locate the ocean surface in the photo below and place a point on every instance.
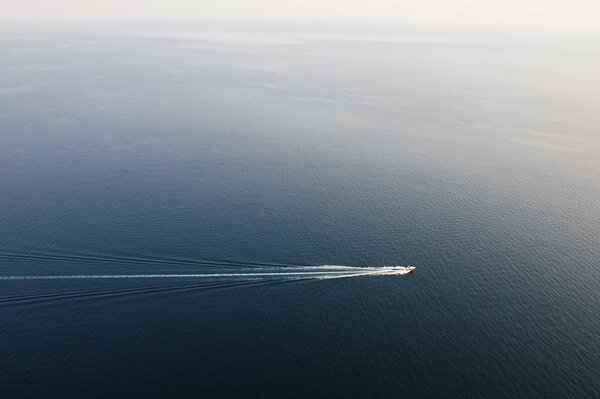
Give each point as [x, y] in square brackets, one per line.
[241, 154]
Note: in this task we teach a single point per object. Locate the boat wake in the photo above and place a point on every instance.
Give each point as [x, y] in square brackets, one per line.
[192, 275]
[317, 272]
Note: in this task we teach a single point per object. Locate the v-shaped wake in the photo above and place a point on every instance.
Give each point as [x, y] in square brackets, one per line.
[318, 272]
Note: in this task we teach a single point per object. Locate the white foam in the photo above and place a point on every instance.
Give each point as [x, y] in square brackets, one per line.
[321, 272]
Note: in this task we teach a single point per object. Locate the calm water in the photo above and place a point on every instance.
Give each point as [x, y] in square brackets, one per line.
[475, 157]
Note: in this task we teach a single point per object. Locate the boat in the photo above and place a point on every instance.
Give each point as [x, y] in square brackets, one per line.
[409, 269]
[392, 270]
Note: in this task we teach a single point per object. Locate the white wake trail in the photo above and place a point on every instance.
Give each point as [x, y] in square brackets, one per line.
[320, 272]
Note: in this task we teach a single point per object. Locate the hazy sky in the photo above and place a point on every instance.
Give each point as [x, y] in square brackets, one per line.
[560, 14]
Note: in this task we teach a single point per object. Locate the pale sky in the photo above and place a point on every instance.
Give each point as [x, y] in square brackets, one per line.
[559, 14]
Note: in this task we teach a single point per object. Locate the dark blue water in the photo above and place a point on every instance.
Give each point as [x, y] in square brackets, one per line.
[475, 158]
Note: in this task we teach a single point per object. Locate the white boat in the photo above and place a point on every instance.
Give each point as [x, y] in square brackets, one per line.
[409, 269]
[392, 270]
